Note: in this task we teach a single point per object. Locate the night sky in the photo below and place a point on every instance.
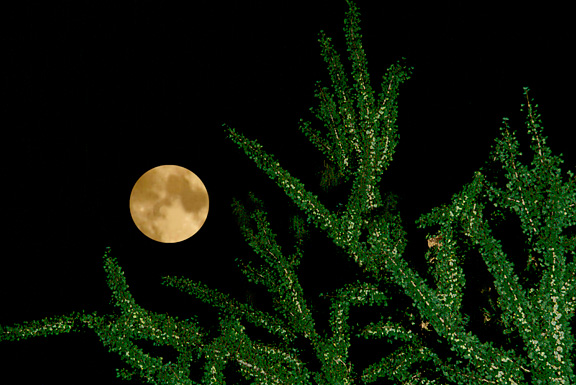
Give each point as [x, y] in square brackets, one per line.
[95, 93]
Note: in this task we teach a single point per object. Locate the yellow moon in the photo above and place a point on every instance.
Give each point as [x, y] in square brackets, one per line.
[169, 204]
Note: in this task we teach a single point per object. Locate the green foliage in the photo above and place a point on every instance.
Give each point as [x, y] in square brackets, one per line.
[331, 176]
[544, 201]
[299, 229]
[358, 142]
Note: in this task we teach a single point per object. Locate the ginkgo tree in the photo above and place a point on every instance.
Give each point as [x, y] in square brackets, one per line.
[532, 296]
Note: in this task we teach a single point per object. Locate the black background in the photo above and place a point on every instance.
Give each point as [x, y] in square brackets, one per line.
[95, 93]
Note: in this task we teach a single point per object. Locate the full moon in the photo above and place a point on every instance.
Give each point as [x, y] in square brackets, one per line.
[169, 204]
